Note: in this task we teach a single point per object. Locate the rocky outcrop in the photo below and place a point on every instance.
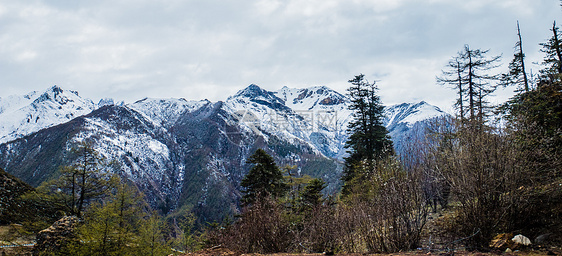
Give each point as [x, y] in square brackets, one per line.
[58, 235]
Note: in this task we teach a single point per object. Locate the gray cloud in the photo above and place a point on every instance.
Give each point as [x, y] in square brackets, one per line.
[210, 49]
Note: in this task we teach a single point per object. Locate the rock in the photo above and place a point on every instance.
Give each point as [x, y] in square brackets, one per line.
[52, 239]
[521, 240]
[543, 238]
[508, 250]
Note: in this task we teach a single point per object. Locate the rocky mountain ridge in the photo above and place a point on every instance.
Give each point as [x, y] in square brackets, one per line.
[191, 153]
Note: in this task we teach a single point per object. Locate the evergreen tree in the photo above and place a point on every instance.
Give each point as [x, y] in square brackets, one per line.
[311, 196]
[553, 51]
[152, 238]
[263, 180]
[369, 140]
[454, 77]
[471, 78]
[120, 225]
[517, 75]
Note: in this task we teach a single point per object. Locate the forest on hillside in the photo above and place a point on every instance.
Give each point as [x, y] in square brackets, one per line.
[488, 171]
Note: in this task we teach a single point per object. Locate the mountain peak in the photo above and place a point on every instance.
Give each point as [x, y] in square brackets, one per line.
[410, 113]
[253, 91]
[22, 115]
[106, 102]
[256, 93]
[55, 89]
[311, 97]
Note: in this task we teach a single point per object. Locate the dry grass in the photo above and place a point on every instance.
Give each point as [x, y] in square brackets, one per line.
[15, 234]
[226, 252]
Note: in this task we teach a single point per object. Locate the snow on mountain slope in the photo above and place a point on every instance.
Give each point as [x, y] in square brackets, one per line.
[408, 120]
[128, 137]
[165, 112]
[193, 152]
[327, 115]
[23, 115]
[316, 115]
[410, 113]
[261, 112]
[16, 101]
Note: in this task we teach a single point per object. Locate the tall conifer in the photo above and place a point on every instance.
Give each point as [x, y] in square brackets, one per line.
[369, 140]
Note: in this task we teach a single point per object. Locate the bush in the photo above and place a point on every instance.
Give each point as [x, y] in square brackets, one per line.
[263, 227]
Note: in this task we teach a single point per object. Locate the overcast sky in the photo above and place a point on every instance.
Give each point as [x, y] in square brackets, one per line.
[210, 49]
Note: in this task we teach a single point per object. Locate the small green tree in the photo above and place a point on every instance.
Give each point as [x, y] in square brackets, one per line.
[117, 225]
[311, 195]
[187, 236]
[263, 180]
[152, 238]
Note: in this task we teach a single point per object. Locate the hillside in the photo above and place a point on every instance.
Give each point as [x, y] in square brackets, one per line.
[12, 208]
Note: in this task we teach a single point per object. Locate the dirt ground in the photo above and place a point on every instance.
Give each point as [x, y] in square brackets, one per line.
[227, 252]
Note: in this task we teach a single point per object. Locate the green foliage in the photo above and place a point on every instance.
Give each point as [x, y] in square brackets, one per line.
[553, 58]
[188, 237]
[517, 76]
[311, 196]
[369, 139]
[120, 225]
[152, 238]
[535, 120]
[264, 178]
[86, 180]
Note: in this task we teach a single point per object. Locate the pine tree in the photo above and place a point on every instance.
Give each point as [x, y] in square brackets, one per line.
[263, 180]
[517, 75]
[470, 77]
[454, 77]
[311, 195]
[369, 140]
[553, 51]
[152, 240]
[120, 225]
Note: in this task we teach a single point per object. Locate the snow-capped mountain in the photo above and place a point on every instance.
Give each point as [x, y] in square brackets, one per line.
[190, 152]
[165, 112]
[22, 115]
[409, 113]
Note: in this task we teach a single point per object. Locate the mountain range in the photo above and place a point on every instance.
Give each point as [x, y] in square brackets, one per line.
[192, 154]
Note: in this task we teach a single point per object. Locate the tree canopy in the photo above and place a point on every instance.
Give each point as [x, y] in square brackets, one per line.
[264, 178]
[369, 139]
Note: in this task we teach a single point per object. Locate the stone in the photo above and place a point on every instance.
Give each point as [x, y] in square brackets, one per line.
[543, 238]
[53, 238]
[508, 250]
[521, 240]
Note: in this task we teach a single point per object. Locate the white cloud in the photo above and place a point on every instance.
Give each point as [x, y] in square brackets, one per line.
[210, 49]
